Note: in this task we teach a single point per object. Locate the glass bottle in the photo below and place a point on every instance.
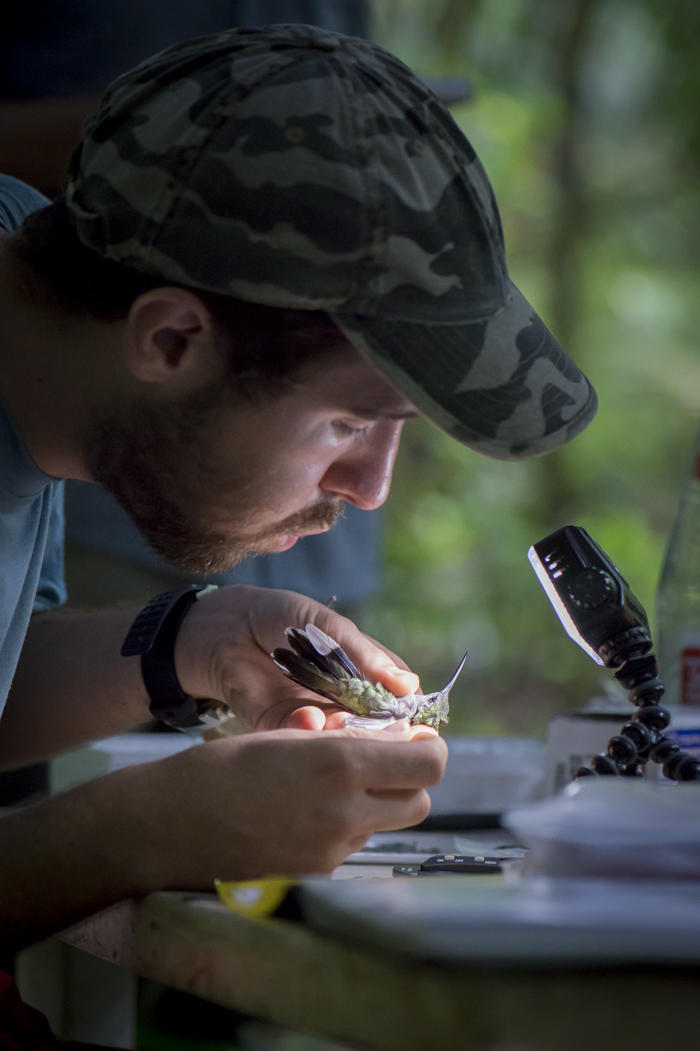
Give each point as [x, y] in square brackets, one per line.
[678, 597]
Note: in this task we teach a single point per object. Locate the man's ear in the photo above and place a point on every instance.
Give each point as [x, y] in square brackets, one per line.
[169, 338]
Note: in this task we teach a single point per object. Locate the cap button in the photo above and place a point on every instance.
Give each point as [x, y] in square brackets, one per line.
[325, 42]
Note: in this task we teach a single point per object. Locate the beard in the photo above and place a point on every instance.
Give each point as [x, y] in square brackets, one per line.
[161, 464]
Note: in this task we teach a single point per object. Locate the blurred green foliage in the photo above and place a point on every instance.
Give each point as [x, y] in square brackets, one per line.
[585, 116]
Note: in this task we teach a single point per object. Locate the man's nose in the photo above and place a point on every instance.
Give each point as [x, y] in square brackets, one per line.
[362, 473]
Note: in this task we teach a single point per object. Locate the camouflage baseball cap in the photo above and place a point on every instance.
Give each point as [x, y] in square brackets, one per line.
[295, 167]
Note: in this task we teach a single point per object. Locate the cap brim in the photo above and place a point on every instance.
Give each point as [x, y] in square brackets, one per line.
[503, 385]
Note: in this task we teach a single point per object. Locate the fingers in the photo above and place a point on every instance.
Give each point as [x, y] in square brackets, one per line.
[252, 683]
[380, 664]
[402, 811]
[290, 800]
[367, 761]
[392, 728]
[417, 763]
[386, 762]
[307, 718]
[312, 717]
[376, 661]
[380, 780]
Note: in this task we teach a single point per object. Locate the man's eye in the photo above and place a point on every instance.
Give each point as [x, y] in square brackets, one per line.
[348, 430]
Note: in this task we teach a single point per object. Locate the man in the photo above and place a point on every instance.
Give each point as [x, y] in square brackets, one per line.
[52, 72]
[275, 248]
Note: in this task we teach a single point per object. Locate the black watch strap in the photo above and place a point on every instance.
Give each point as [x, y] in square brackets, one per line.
[152, 637]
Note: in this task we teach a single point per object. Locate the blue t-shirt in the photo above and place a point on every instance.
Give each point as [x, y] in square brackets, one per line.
[31, 505]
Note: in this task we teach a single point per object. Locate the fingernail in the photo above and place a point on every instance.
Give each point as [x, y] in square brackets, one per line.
[425, 732]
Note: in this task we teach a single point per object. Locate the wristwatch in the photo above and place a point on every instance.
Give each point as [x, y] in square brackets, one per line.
[152, 637]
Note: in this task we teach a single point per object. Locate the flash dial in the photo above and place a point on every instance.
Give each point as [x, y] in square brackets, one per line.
[591, 589]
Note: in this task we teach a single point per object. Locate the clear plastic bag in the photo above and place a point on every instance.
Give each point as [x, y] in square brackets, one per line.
[613, 827]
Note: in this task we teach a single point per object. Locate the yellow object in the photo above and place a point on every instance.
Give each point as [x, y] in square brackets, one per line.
[254, 898]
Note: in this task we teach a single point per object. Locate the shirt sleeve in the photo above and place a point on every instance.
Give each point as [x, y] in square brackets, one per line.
[17, 201]
[52, 589]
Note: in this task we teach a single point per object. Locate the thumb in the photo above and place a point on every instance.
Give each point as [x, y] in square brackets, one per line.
[397, 679]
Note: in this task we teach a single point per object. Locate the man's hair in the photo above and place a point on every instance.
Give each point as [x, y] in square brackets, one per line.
[267, 346]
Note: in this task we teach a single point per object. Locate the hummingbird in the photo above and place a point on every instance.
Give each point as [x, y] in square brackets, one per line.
[318, 663]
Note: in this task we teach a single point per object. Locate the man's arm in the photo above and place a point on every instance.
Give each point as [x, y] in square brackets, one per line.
[66, 858]
[71, 686]
[289, 802]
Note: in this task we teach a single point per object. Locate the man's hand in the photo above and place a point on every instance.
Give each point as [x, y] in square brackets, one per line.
[72, 685]
[223, 651]
[288, 802]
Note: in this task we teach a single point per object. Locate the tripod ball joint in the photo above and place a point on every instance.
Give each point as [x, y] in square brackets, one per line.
[637, 670]
[653, 716]
[622, 750]
[664, 749]
[604, 765]
[640, 736]
[647, 693]
[682, 767]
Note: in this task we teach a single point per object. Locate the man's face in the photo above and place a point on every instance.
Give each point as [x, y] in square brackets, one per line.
[214, 478]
